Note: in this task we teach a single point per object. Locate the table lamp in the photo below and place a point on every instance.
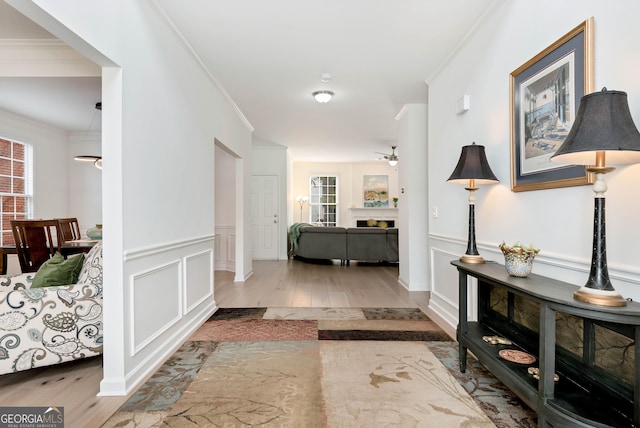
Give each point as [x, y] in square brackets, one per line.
[472, 168]
[602, 133]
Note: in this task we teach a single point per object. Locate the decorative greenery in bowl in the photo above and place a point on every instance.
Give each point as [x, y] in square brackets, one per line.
[518, 259]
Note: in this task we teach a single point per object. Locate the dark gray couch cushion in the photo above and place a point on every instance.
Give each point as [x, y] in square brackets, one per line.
[366, 243]
[322, 243]
[392, 245]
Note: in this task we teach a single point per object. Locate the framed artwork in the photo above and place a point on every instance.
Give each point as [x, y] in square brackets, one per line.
[545, 95]
[376, 191]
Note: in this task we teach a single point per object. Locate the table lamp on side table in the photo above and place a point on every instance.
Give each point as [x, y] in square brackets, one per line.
[472, 168]
[603, 131]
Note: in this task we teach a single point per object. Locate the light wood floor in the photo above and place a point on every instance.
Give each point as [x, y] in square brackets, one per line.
[298, 284]
[290, 283]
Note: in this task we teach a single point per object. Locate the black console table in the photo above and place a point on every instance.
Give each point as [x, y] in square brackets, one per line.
[594, 350]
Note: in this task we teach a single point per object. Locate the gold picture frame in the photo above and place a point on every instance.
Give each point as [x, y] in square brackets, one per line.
[545, 95]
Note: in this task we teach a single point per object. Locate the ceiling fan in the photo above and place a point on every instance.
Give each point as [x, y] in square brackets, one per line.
[97, 160]
[392, 158]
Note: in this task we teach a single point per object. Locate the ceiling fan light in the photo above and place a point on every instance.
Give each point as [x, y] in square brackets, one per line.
[393, 157]
[322, 96]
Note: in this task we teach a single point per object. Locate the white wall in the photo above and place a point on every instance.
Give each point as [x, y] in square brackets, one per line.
[225, 188]
[350, 184]
[412, 231]
[85, 181]
[161, 116]
[558, 221]
[225, 210]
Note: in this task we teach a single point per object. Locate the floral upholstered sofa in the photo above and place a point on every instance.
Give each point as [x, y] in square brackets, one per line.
[52, 324]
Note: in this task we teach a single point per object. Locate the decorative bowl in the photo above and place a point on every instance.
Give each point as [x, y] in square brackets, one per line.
[518, 259]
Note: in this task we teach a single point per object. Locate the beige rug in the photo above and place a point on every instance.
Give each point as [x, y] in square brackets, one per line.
[392, 384]
[314, 314]
[318, 384]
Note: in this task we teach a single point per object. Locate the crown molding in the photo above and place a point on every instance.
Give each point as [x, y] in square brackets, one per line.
[43, 58]
[10, 122]
[398, 117]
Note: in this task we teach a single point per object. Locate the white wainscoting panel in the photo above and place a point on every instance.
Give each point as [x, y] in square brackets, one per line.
[231, 251]
[225, 249]
[163, 281]
[444, 281]
[198, 274]
[218, 254]
[169, 293]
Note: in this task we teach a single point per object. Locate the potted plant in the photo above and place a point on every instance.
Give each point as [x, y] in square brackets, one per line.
[395, 202]
[518, 259]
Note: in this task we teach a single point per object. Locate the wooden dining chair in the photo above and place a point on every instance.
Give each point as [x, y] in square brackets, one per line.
[69, 228]
[36, 242]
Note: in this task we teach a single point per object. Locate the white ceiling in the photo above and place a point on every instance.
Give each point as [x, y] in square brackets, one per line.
[67, 103]
[269, 55]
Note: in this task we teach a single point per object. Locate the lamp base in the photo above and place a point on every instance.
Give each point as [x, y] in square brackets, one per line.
[599, 297]
[468, 258]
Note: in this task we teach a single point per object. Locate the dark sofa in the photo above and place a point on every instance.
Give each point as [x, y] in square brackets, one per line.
[345, 244]
[322, 243]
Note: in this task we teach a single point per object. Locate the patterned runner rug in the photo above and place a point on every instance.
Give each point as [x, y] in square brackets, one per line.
[321, 367]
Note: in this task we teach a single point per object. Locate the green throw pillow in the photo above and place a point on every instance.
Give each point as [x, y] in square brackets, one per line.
[58, 271]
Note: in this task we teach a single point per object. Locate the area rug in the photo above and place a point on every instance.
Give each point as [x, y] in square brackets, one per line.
[273, 367]
[410, 324]
[233, 330]
[401, 384]
[501, 405]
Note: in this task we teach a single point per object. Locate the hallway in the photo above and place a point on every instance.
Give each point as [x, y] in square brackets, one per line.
[296, 283]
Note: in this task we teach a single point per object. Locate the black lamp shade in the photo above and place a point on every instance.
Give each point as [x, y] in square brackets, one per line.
[603, 124]
[472, 165]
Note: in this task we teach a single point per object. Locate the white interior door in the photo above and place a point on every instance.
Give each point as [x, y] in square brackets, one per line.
[264, 216]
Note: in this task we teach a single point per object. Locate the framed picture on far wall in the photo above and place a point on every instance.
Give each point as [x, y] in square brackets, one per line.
[376, 191]
[545, 95]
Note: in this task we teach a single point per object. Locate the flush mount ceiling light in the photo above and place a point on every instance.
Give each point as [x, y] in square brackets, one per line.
[322, 96]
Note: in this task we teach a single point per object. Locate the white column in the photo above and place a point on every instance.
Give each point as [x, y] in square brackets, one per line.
[412, 208]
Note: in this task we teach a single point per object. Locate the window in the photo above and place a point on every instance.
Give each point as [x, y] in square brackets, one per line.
[323, 203]
[16, 189]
